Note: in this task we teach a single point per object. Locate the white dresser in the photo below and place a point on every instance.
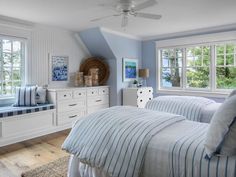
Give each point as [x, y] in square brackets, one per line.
[73, 103]
[137, 97]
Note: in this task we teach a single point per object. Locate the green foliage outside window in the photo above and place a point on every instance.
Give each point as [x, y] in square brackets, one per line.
[198, 60]
[11, 53]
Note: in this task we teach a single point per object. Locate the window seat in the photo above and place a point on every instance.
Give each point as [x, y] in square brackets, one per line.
[8, 111]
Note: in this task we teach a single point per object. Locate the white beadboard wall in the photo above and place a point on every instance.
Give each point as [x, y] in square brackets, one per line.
[43, 40]
[49, 40]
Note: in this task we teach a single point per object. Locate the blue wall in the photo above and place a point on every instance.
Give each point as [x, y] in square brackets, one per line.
[149, 61]
[112, 47]
[123, 47]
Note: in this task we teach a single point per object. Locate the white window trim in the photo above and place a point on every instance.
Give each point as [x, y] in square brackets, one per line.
[209, 39]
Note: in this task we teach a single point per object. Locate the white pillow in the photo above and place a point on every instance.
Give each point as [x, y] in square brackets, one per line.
[40, 95]
[221, 136]
[232, 93]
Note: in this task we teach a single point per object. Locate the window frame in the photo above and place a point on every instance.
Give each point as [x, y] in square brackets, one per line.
[213, 91]
[9, 98]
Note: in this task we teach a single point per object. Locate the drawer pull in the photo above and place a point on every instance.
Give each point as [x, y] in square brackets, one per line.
[98, 100]
[72, 104]
[79, 93]
[64, 95]
[72, 116]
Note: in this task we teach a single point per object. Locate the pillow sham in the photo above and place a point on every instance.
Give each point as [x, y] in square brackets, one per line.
[40, 95]
[221, 135]
[232, 93]
[25, 96]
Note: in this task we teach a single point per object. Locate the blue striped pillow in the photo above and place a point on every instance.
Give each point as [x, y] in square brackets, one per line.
[25, 96]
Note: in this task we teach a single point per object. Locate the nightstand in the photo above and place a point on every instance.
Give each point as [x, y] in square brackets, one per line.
[137, 97]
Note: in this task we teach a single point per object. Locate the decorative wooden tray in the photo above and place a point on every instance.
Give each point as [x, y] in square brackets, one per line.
[95, 62]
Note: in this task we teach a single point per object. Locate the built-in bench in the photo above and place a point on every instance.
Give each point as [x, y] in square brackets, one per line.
[22, 123]
[7, 111]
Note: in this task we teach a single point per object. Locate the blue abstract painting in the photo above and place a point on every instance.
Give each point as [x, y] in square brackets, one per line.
[130, 68]
[60, 68]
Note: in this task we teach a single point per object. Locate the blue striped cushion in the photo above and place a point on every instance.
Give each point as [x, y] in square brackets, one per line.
[25, 96]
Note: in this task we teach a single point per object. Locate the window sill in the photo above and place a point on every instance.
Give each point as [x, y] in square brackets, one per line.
[194, 93]
[6, 101]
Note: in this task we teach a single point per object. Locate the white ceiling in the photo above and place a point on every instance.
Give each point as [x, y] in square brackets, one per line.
[178, 15]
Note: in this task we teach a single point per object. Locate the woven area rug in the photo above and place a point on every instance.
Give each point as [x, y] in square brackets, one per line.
[56, 168]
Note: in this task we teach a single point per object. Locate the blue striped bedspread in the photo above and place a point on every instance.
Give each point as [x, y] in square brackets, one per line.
[187, 106]
[179, 151]
[115, 139]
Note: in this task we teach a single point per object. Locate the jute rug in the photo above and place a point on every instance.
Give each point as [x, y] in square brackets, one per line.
[56, 168]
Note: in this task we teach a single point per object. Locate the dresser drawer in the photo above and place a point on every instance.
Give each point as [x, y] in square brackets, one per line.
[98, 100]
[72, 105]
[97, 108]
[103, 91]
[79, 93]
[70, 117]
[64, 95]
[92, 92]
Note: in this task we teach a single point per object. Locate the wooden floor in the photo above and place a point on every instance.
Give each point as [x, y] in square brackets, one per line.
[15, 159]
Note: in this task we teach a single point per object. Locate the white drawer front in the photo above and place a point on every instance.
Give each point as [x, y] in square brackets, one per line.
[96, 108]
[103, 91]
[92, 91]
[98, 100]
[79, 93]
[64, 95]
[71, 105]
[70, 117]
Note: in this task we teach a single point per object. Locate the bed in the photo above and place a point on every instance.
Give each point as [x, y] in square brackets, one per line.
[174, 149]
[198, 109]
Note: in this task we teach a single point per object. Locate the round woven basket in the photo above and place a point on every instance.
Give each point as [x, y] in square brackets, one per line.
[95, 62]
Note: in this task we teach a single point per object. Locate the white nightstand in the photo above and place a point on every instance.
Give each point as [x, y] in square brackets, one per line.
[137, 97]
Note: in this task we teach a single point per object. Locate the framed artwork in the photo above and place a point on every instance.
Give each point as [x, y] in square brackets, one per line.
[59, 68]
[130, 69]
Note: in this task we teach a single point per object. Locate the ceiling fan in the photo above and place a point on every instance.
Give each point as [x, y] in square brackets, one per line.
[126, 8]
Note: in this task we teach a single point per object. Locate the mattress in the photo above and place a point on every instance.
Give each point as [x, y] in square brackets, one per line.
[177, 151]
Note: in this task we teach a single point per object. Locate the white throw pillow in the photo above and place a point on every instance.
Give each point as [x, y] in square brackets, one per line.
[40, 95]
[232, 93]
[221, 136]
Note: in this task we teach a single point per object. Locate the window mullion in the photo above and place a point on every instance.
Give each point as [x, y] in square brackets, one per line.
[184, 64]
[213, 68]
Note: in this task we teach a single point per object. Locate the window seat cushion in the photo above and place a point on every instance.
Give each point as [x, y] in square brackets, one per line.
[8, 111]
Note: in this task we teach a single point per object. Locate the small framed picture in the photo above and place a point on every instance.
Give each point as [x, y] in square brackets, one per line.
[58, 68]
[130, 69]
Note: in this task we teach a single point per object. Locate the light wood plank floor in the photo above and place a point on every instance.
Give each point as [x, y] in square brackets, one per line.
[14, 159]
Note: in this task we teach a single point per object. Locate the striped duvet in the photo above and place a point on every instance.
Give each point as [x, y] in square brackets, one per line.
[176, 151]
[188, 106]
[115, 140]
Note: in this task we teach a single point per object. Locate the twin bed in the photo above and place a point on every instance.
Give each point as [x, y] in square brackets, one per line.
[159, 142]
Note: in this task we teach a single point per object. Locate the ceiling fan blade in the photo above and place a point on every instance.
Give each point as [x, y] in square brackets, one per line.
[144, 5]
[105, 17]
[149, 16]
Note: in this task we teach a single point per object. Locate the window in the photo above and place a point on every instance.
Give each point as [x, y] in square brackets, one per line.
[12, 54]
[171, 67]
[226, 66]
[199, 67]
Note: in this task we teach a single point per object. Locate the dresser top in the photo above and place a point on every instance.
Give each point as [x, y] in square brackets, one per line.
[53, 89]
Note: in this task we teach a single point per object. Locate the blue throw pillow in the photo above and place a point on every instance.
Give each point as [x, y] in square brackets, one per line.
[25, 96]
